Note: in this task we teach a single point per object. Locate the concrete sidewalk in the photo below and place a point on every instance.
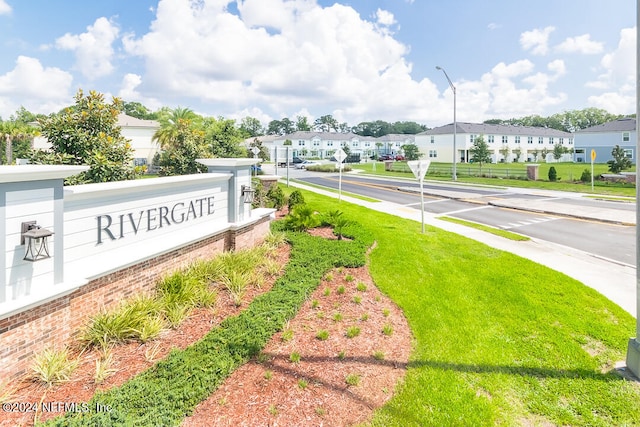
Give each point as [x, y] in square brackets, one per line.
[615, 281]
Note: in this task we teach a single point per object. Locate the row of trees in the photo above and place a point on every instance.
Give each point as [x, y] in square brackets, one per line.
[87, 133]
[568, 121]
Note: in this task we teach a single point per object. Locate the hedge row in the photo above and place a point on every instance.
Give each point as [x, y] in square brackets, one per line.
[171, 389]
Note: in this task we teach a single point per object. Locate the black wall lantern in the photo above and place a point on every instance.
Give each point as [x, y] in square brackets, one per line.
[247, 193]
[36, 240]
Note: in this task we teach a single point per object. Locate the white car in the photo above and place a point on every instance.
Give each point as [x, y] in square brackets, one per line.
[305, 163]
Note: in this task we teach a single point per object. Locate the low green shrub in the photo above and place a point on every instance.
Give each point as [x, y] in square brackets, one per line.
[53, 366]
[275, 197]
[295, 198]
[172, 388]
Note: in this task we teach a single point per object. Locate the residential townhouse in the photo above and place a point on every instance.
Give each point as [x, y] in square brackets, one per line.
[507, 143]
[603, 138]
[323, 145]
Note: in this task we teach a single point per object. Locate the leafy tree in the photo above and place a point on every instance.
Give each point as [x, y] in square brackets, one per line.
[139, 111]
[179, 156]
[480, 152]
[302, 124]
[287, 142]
[250, 127]
[620, 161]
[553, 174]
[558, 151]
[544, 153]
[17, 137]
[326, 123]
[408, 128]
[411, 152]
[172, 123]
[280, 127]
[263, 153]
[518, 152]
[87, 133]
[223, 137]
[505, 151]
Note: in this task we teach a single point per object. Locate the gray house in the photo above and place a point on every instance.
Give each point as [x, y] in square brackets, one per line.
[602, 138]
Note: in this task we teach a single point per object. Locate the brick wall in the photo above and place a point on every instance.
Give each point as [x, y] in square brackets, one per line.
[56, 322]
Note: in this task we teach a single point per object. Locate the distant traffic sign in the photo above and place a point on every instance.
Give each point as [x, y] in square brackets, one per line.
[593, 155]
[419, 168]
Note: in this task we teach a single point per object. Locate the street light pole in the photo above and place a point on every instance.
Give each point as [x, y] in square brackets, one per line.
[455, 124]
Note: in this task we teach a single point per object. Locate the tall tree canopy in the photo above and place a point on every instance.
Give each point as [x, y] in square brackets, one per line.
[568, 121]
[87, 134]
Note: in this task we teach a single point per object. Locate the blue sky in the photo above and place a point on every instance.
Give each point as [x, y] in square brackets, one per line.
[358, 60]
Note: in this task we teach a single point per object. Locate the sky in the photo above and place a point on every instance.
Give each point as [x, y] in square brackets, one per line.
[358, 60]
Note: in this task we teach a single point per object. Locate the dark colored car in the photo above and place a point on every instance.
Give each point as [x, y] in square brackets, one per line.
[297, 160]
[386, 157]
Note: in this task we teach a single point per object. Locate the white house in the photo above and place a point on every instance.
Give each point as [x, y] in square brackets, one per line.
[139, 132]
[602, 138]
[324, 144]
[507, 143]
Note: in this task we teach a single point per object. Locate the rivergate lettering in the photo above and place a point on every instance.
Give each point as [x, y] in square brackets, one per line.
[116, 227]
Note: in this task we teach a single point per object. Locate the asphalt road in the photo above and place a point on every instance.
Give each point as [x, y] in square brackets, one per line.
[609, 241]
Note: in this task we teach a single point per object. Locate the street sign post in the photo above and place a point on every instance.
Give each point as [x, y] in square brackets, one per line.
[340, 155]
[419, 169]
[255, 151]
[593, 158]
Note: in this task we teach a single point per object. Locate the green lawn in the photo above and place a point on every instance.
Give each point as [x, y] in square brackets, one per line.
[569, 174]
[499, 340]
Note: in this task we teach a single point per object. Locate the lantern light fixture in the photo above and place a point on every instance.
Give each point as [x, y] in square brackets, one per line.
[36, 240]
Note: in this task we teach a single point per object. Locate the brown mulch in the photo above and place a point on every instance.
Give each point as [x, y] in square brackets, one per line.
[272, 390]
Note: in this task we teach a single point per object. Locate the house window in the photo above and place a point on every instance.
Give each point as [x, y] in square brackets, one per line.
[433, 139]
[529, 140]
[628, 153]
[433, 153]
[491, 139]
[367, 144]
[561, 139]
[551, 140]
[330, 144]
[316, 143]
[301, 143]
[570, 141]
[472, 138]
[518, 139]
[505, 139]
[355, 144]
[139, 161]
[625, 136]
[540, 140]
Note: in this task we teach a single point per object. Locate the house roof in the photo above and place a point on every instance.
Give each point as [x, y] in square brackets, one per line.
[489, 129]
[626, 124]
[128, 121]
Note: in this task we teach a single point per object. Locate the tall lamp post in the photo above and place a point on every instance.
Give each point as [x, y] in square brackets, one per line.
[633, 348]
[455, 124]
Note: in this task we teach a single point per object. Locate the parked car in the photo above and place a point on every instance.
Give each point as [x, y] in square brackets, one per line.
[304, 164]
[400, 157]
[256, 170]
[297, 160]
[384, 157]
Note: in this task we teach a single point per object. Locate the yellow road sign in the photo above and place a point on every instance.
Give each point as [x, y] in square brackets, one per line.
[593, 155]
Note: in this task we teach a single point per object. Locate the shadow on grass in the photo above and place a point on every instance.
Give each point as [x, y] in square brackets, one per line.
[528, 371]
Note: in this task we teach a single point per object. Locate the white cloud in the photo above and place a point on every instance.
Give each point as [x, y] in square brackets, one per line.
[509, 90]
[5, 9]
[493, 26]
[537, 40]
[618, 77]
[580, 44]
[93, 49]
[128, 92]
[39, 89]
[314, 54]
[385, 17]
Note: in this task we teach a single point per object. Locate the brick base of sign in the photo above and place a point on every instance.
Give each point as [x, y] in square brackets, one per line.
[57, 322]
